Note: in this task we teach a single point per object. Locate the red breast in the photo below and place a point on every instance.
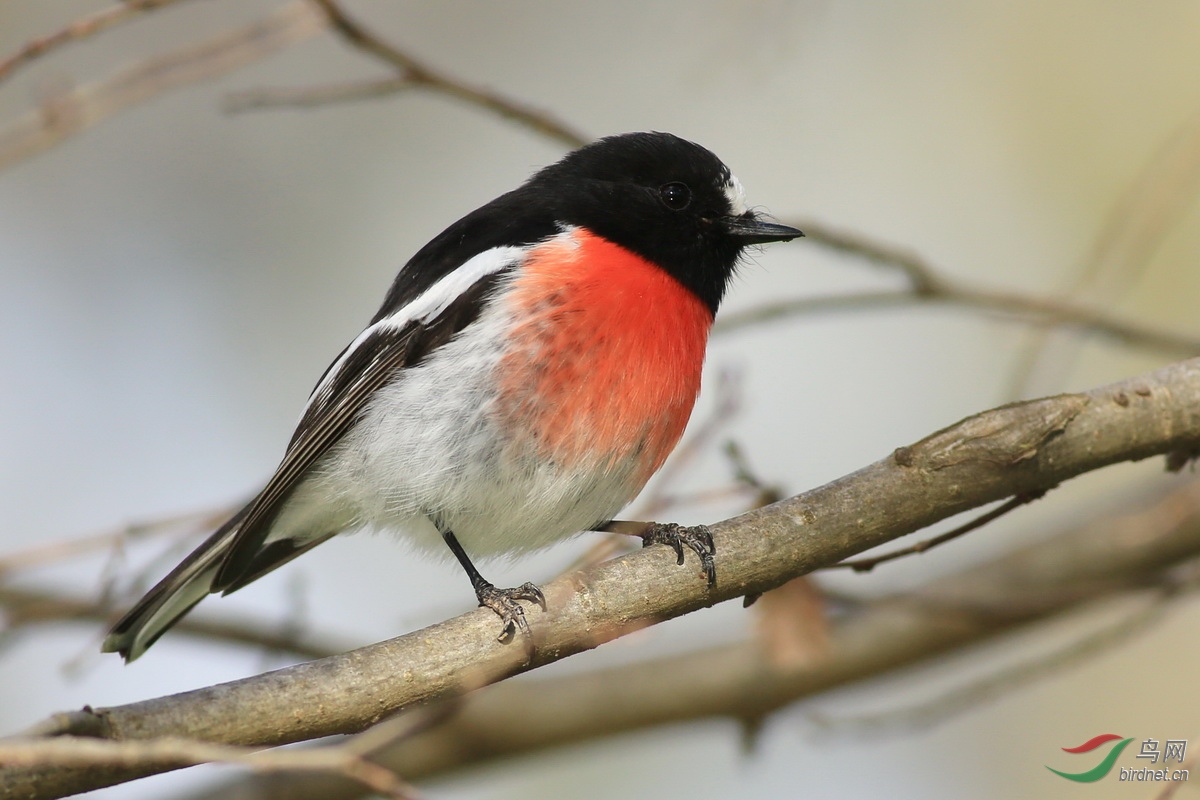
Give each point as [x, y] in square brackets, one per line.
[605, 356]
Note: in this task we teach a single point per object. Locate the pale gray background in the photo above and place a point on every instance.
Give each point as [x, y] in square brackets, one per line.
[174, 281]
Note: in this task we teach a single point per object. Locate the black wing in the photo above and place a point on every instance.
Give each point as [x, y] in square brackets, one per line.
[377, 357]
[519, 218]
[235, 554]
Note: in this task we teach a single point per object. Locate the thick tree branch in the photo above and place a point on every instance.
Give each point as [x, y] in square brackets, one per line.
[1019, 448]
[741, 682]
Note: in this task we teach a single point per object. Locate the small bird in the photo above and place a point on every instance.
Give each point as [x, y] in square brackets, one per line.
[529, 370]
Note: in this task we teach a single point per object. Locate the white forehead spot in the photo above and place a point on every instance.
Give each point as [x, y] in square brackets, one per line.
[736, 196]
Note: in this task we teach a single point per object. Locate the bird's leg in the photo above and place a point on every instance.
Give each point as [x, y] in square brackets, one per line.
[698, 538]
[502, 601]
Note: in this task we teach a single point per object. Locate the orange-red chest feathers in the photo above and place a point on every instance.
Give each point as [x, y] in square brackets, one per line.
[605, 358]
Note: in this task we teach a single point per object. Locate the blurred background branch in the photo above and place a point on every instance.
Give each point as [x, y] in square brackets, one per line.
[810, 636]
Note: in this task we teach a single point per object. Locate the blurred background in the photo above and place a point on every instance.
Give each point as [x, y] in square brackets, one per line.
[174, 280]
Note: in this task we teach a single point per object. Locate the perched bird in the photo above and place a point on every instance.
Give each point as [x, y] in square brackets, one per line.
[529, 370]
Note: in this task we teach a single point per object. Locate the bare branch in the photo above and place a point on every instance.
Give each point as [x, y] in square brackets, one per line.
[107, 540]
[1014, 449]
[24, 607]
[728, 403]
[1099, 556]
[79, 109]
[767, 493]
[420, 74]
[81, 28]
[1172, 787]
[868, 564]
[658, 500]
[312, 96]
[927, 285]
[1132, 231]
[922, 277]
[166, 753]
[962, 698]
[1026, 309]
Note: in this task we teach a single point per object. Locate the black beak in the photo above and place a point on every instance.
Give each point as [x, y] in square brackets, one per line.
[749, 230]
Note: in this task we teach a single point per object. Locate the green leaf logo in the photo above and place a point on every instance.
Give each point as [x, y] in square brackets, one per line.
[1100, 770]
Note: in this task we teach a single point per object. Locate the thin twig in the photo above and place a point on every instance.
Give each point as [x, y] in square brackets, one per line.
[81, 28]
[1172, 787]
[72, 112]
[1132, 231]
[961, 699]
[1026, 309]
[767, 492]
[928, 285]
[715, 494]
[728, 402]
[868, 564]
[313, 96]
[923, 278]
[659, 499]
[421, 74]
[25, 607]
[53, 552]
[172, 753]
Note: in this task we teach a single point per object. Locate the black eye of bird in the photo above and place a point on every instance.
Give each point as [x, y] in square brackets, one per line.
[675, 196]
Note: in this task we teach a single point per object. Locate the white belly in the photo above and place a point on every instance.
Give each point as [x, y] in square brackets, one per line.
[428, 447]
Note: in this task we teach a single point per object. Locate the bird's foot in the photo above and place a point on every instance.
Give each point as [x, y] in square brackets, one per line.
[697, 538]
[504, 603]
